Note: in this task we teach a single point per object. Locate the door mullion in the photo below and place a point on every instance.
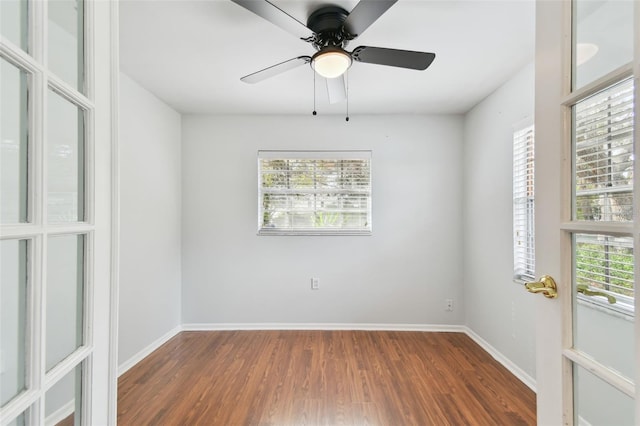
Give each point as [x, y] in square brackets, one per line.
[594, 87]
[37, 173]
[616, 380]
[35, 331]
[40, 190]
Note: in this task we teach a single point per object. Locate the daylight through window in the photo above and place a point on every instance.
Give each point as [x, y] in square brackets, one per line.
[603, 192]
[604, 155]
[319, 192]
[523, 205]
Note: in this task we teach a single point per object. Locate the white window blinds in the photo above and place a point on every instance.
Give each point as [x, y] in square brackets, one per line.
[523, 205]
[604, 155]
[603, 192]
[314, 192]
[604, 268]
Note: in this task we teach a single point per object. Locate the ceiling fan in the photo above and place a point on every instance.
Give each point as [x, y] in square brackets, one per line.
[329, 29]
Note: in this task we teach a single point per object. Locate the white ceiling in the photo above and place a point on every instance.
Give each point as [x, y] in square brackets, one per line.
[191, 54]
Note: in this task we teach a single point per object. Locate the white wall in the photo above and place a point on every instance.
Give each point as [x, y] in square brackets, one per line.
[497, 309]
[400, 275]
[150, 246]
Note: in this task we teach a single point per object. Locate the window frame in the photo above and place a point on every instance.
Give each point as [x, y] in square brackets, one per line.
[523, 144]
[366, 155]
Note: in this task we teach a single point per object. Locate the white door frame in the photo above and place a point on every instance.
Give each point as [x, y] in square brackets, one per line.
[107, 72]
[550, 16]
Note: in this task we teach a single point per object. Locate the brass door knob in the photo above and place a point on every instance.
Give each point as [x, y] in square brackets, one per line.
[546, 285]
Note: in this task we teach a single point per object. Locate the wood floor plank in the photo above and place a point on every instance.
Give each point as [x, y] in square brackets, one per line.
[322, 378]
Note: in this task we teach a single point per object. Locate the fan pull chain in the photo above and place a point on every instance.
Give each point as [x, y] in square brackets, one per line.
[347, 89]
[314, 93]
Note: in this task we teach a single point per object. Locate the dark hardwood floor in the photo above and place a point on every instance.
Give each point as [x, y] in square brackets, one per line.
[322, 378]
[67, 421]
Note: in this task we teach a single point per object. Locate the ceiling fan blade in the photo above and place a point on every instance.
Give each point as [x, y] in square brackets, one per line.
[393, 57]
[276, 69]
[336, 89]
[276, 16]
[366, 13]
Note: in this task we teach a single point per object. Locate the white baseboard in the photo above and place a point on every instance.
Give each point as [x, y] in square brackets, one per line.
[506, 362]
[122, 368]
[322, 326]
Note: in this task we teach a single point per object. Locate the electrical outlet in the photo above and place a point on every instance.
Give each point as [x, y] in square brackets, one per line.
[448, 305]
[315, 283]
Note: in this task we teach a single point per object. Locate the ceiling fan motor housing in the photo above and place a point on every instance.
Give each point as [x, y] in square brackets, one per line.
[327, 24]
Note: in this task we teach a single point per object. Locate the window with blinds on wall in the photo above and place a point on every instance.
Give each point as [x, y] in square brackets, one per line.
[523, 205]
[314, 193]
[603, 192]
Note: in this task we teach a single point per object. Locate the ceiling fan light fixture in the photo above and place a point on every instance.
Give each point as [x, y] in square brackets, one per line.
[331, 62]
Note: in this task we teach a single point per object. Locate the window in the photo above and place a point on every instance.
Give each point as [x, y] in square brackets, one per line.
[604, 155]
[314, 192]
[603, 193]
[523, 205]
[604, 271]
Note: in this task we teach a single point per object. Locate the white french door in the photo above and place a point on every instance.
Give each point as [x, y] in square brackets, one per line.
[587, 227]
[56, 149]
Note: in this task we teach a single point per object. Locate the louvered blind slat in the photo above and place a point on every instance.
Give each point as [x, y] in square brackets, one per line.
[523, 207]
[314, 192]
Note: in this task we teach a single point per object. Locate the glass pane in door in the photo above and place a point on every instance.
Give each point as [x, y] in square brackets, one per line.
[65, 39]
[65, 296]
[603, 161]
[602, 39]
[13, 318]
[604, 302]
[598, 403]
[13, 22]
[63, 401]
[65, 145]
[14, 125]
